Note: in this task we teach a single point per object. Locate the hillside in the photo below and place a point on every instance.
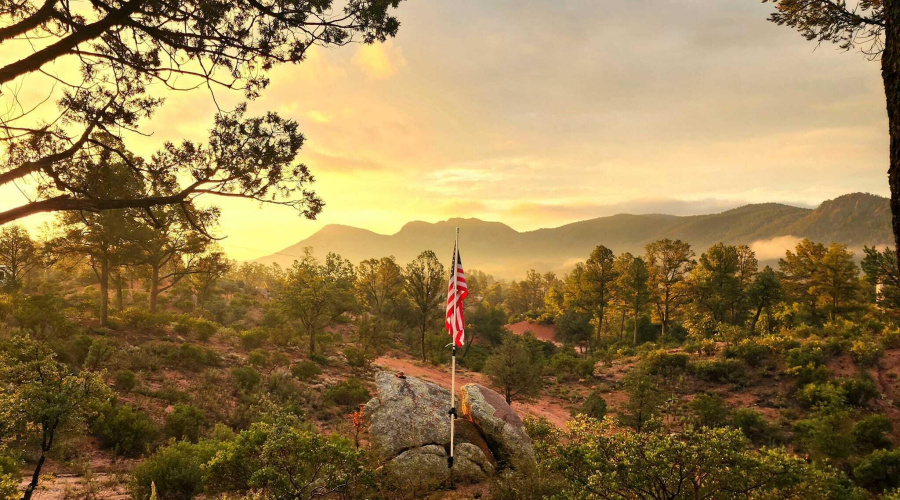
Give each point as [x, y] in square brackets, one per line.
[855, 219]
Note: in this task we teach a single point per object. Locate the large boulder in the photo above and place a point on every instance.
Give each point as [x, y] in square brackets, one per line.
[409, 429]
[499, 424]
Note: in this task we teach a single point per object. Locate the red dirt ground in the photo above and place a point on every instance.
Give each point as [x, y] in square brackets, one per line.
[543, 332]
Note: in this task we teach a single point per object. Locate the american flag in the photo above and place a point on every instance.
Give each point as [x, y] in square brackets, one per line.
[456, 293]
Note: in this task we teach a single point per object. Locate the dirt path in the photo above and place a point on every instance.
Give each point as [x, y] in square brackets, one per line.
[548, 408]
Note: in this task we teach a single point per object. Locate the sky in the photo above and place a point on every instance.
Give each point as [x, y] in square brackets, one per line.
[539, 113]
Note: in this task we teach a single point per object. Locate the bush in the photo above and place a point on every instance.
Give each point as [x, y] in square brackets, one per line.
[355, 356]
[348, 393]
[253, 338]
[99, 353]
[879, 471]
[125, 430]
[720, 371]
[285, 457]
[594, 406]
[866, 352]
[710, 410]
[750, 351]
[826, 394]
[809, 354]
[176, 471]
[660, 362]
[305, 370]
[258, 358]
[125, 380]
[245, 377]
[284, 388]
[859, 390]
[193, 357]
[202, 328]
[142, 319]
[185, 422]
[562, 366]
[871, 433]
[752, 424]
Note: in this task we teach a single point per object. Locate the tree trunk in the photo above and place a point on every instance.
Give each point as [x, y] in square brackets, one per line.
[34, 479]
[890, 73]
[635, 325]
[622, 324]
[423, 341]
[154, 287]
[104, 291]
[599, 326]
[312, 340]
[755, 319]
[120, 296]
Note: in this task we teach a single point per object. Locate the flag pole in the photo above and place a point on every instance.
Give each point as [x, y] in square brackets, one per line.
[453, 358]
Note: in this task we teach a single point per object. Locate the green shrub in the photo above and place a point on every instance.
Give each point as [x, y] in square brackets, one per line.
[594, 406]
[750, 351]
[563, 366]
[142, 319]
[99, 352]
[753, 425]
[355, 356]
[258, 358]
[879, 471]
[826, 434]
[825, 394]
[125, 430]
[125, 380]
[285, 457]
[185, 422]
[253, 338]
[663, 363]
[348, 393]
[805, 355]
[872, 433]
[320, 358]
[193, 357]
[284, 388]
[866, 352]
[305, 370]
[246, 378]
[204, 329]
[720, 371]
[859, 390]
[176, 471]
[710, 410]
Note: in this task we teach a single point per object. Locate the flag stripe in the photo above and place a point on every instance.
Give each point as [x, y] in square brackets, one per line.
[457, 291]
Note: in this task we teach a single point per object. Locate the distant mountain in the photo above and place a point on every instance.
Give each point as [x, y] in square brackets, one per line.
[855, 219]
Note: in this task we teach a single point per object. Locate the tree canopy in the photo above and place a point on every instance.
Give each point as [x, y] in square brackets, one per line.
[121, 55]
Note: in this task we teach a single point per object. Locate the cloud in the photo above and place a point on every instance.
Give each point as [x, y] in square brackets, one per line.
[378, 61]
[774, 248]
[317, 116]
[326, 162]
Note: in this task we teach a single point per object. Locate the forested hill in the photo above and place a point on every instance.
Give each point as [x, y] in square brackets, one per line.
[855, 219]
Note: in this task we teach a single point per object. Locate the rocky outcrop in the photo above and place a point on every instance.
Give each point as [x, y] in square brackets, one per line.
[500, 426]
[409, 429]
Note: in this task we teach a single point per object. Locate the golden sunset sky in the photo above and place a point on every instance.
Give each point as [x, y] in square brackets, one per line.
[538, 113]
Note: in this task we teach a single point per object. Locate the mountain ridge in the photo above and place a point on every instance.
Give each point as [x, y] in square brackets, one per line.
[855, 219]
